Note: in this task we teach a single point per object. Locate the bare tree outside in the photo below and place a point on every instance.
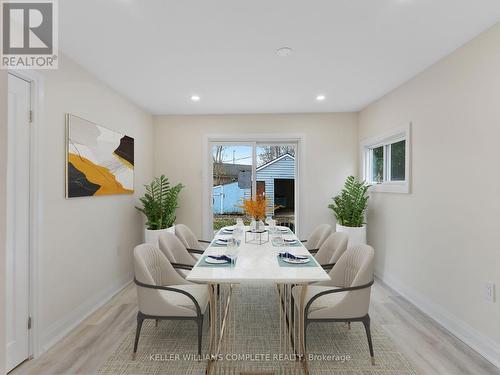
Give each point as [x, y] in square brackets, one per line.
[218, 159]
[269, 153]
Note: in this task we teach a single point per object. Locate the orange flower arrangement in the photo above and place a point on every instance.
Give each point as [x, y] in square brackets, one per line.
[255, 208]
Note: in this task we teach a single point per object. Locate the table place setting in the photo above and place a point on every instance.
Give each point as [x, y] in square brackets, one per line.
[227, 258]
[287, 259]
[227, 230]
[221, 241]
[283, 230]
[289, 241]
[217, 261]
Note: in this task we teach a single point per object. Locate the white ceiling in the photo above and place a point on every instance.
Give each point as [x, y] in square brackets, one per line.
[160, 52]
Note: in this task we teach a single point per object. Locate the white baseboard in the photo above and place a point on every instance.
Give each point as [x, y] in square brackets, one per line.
[58, 330]
[482, 344]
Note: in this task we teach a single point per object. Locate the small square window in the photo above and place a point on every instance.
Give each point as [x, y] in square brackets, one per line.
[386, 162]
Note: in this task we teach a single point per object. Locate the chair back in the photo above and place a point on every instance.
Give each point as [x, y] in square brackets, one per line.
[187, 237]
[318, 236]
[174, 249]
[354, 268]
[331, 250]
[153, 268]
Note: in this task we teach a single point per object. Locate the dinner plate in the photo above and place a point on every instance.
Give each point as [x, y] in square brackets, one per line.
[215, 261]
[296, 261]
[290, 241]
[220, 242]
[283, 229]
[228, 230]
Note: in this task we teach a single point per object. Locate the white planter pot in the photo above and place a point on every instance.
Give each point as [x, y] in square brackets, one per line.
[357, 235]
[152, 236]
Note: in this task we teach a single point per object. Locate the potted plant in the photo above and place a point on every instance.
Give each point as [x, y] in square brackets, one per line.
[159, 204]
[349, 208]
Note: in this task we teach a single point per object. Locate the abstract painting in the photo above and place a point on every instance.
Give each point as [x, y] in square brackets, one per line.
[100, 161]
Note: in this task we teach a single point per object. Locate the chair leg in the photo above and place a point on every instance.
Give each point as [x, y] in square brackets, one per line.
[366, 323]
[200, 334]
[305, 336]
[140, 319]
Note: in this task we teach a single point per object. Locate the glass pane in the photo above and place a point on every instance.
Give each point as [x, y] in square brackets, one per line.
[232, 181]
[276, 178]
[378, 164]
[398, 161]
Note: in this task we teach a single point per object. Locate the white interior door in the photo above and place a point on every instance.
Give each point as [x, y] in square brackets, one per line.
[18, 221]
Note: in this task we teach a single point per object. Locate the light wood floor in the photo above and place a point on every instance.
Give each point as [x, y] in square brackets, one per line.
[430, 348]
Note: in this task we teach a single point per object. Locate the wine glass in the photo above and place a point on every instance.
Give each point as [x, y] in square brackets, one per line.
[272, 226]
[239, 223]
[277, 239]
[268, 220]
[232, 249]
[238, 235]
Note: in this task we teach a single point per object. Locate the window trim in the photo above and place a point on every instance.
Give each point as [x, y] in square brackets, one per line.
[395, 135]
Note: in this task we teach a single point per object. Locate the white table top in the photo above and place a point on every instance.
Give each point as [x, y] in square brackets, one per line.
[257, 263]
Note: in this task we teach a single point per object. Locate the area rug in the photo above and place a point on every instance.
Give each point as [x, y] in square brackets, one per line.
[171, 347]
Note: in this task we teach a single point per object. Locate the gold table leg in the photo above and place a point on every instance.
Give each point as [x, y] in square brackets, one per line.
[215, 341]
[288, 326]
[213, 321]
[303, 292]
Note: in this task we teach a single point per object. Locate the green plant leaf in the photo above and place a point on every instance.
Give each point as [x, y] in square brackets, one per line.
[350, 205]
[159, 203]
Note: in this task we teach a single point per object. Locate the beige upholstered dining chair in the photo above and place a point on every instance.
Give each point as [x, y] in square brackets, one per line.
[346, 297]
[176, 253]
[163, 294]
[330, 251]
[189, 240]
[317, 237]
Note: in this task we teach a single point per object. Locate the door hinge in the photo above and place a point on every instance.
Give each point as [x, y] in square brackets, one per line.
[29, 322]
[31, 116]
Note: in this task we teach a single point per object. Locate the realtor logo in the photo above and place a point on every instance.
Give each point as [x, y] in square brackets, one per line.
[29, 34]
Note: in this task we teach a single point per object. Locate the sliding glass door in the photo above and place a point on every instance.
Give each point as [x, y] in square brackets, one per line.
[243, 169]
[276, 177]
[232, 181]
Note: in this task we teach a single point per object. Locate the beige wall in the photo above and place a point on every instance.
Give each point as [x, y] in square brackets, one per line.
[441, 242]
[3, 213]
[330, 154]
[86, 243]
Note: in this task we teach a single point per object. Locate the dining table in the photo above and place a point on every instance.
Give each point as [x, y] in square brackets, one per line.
[273, 255]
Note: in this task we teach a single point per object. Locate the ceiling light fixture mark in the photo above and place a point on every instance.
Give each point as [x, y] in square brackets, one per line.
[284, 51]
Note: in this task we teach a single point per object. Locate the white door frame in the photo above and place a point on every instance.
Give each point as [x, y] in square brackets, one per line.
[251, 138]
[37, 105]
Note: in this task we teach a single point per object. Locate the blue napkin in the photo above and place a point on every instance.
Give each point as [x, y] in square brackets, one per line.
[291, 256]
[220, 257]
